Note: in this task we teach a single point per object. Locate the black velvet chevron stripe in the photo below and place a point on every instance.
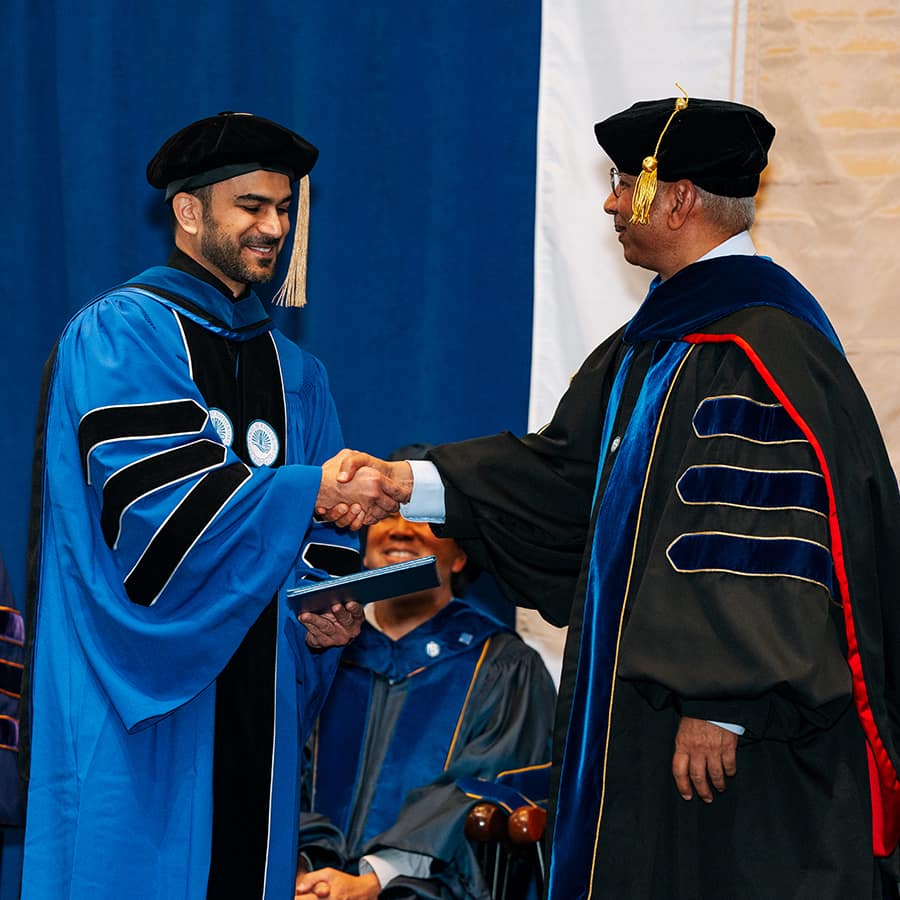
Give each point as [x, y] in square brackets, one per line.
[150, 474]
[743, 554]
[141, 420]
[742, 417]
[754, 488]
[12, 627]
[10, 677]
[9, 733]
[171, 543]
[331, 558]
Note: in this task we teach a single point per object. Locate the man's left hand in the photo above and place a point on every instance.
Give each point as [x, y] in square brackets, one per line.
[335, 628]
[704, 753]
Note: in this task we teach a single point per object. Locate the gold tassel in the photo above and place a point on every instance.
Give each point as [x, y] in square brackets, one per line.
[645, 186]
[644, 191]
[293, 291]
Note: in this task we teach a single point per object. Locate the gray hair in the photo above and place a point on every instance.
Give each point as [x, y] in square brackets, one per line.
[731, 214]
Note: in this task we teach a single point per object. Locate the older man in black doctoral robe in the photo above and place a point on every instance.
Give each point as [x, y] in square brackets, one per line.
[713, 512]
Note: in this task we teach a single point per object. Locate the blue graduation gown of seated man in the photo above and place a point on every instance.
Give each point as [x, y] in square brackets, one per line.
[170, 686]
[459, 697]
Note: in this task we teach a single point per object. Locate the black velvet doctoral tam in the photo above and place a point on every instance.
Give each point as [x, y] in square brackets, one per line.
[224, 146]
[721, 146]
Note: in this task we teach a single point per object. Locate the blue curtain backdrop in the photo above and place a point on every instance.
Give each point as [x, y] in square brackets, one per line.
[422, 201]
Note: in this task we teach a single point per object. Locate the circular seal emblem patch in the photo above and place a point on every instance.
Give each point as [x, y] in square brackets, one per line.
[222, 424]
[433, 649]
[262, 443]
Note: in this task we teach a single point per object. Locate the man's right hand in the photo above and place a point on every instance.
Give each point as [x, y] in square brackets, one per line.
[358, 489]
[336, 885]
[705, 757]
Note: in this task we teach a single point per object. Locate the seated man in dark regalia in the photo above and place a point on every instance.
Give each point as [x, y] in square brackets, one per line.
[433, 690]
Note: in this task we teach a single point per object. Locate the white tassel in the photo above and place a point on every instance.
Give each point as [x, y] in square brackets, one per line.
[293, 291]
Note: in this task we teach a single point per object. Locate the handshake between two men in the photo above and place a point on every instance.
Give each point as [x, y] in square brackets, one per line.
[358, 489]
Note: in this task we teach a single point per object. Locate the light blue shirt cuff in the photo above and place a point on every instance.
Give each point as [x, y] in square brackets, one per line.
[426, 503]
[729, 726]
[389, 864]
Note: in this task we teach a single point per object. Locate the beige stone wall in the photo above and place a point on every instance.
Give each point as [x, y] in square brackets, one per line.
[827, 74]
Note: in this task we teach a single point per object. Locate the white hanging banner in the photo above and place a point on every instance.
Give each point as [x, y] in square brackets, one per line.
[597, 59]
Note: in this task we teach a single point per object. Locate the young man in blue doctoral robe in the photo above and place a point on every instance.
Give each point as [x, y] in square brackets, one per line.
[181, 450]
[713, 512]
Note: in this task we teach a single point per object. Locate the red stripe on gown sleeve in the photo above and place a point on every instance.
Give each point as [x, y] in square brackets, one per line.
[883, 782]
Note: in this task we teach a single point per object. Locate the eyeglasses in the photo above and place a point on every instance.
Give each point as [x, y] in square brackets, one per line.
[615, 182]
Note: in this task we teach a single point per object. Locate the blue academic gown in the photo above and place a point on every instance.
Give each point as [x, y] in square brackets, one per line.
[168, 527]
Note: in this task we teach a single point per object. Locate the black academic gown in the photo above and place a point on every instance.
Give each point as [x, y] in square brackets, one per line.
[739, 564]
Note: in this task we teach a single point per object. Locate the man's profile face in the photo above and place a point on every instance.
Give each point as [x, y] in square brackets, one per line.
[395, 540]
[244, 224]
[640, 243]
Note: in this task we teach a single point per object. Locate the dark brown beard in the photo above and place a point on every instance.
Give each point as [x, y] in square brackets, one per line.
[225, 255]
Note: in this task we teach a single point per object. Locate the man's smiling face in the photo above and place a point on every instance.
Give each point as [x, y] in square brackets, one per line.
[395, 540]
[244, 224]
